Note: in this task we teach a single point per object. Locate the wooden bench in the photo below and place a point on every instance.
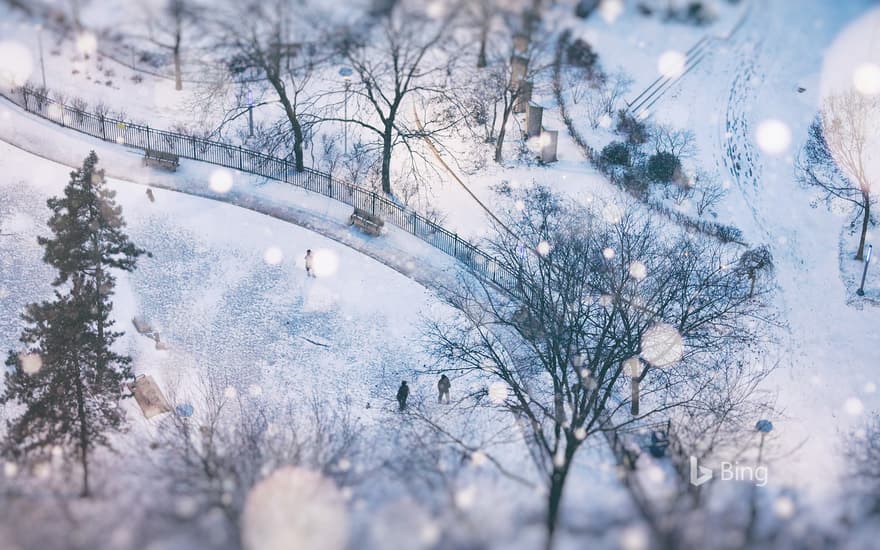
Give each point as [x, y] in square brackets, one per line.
[168, 161]
[368, 223]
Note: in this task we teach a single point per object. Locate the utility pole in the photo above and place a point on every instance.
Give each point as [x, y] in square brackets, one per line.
[250, 97]
[40, 45]
[346, 73]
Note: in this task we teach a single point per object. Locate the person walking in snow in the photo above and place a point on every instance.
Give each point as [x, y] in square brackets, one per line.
[402, 394]
[443, 387]
[310, 272]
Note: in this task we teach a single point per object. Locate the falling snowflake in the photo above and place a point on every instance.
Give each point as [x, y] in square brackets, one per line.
[31, 363]
[86, 43]
[543, 248]
[497, 392]
[294, 508]
[671, 64]
[784, 507]
[16, 64]
[854, 406]
[773, 136]
[638, 270]
[610, 10]
[325, 262]
[662, 345]
[466, 497]
[608, 253]
[221, 181]
[866, 79]
[273, 255]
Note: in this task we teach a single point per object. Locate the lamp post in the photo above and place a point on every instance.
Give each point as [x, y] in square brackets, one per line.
[39, 29]
[861, 290]
[764, 427]
[345, 73]
[250, 99]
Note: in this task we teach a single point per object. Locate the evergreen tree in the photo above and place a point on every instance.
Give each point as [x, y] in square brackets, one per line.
[68, 380]
[89, 240]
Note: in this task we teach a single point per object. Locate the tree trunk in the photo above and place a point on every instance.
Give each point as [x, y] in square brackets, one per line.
[484, 35]
[865, 219]
[178, 78]
[294, 122]
[499, 145]
[634, 387]
[83, 435]
[752, 278]
[554, 499]
[386, 158]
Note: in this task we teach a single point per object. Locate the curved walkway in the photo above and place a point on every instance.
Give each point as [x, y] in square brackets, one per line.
[396, 249]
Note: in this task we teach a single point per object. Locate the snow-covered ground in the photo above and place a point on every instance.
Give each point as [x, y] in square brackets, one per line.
[227, 291]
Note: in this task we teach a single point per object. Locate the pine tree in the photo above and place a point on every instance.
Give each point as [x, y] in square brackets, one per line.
[68, 379]
[89, 241]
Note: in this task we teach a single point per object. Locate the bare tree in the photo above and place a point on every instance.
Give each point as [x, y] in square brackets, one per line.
[709, 192]
[836, 157]
[862, 483]
[165, 29]
[755, 263]
[269, 61]
[599, 306]
[666, 139]
[601, 94]
[401, 60]
[231, 441]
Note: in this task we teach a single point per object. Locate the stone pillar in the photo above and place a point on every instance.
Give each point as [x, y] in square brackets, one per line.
[524, 97]
[520, 43]
[534, 118]
[519, 66]
[549, 139]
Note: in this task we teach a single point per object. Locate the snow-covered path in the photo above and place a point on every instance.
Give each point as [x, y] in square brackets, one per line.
[396, 248]
[828, 357]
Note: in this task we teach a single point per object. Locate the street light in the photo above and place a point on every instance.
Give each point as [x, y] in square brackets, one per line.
[250, 98]
[345, 73]
[39, 29]
[861, 290]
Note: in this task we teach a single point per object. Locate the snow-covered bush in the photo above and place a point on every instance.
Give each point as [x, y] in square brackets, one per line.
[580, 54]
[616, 153]
[664, 167]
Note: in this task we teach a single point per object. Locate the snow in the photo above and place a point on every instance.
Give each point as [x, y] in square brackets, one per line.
[227, 290]
[749, 118]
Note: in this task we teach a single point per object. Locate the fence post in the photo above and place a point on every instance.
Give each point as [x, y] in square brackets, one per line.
[373, 193]
[62, 114]
[24, 94]
[455, 246]
[148, 138]
[103, 128]
[240, 159]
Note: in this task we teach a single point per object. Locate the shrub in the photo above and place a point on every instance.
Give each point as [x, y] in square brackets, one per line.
[580, 54]
[615, 153]
[585, 8]
[663, 167]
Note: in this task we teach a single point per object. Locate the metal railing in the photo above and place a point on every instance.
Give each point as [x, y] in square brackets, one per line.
[253, 162]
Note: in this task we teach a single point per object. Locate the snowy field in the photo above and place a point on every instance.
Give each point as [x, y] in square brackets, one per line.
[225, 285]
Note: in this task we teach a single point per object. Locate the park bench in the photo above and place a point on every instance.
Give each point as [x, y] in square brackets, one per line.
[168, 161]
[367, 222]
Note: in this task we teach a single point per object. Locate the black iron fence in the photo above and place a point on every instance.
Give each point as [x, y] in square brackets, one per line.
[253, 162]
